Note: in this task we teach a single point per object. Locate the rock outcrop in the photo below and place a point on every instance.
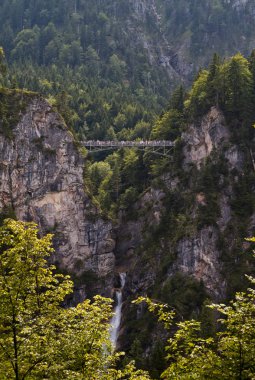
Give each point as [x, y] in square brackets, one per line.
[199, 256]
[194, 250]
[200, 140]
[42, 180]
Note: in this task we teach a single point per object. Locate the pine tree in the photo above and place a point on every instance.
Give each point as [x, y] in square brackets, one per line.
[213, 85]
[239, 88]
[177, 99]
[3, 65]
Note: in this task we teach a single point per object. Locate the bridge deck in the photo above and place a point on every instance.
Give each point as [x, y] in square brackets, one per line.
[123, 144]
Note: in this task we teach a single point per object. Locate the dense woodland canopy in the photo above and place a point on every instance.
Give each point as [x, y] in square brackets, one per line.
[89, 57]
[84, 60]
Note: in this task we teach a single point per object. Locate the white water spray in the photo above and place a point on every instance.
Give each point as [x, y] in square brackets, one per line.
[116, 319]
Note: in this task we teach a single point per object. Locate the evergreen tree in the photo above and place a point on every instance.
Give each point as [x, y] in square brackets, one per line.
[197, 103]
[3, 66]
[177, 99]
[213, 83]
[239, 88]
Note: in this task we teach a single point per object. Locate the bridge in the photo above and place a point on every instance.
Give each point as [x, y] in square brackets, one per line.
[161, 147]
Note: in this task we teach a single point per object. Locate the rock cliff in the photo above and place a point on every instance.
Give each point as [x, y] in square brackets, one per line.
[42, 180]
[191, 224]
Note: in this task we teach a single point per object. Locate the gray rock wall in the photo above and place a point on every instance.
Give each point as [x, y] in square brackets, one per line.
[41, 177]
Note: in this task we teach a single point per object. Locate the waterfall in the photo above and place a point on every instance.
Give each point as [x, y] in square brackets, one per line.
[116, 319]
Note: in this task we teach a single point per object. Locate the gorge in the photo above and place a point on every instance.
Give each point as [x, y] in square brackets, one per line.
[42, 179]
[127, 133]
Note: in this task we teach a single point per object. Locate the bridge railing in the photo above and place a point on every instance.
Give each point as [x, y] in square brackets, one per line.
[122, 144]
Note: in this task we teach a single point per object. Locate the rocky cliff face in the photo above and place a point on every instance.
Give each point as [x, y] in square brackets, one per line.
[192, 225]
[42, 180]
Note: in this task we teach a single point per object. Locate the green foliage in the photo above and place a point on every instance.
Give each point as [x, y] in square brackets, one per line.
[86, 49]
[177, 99]
[130, 167]
[243, 202]
[118, 181]
[3, 66]
[213, 81]
[227, 355]
[98, 172]
[79, 57]
[168, 126]
[228, 85]
[25, 309]
[159, 309]
[210, 25]
[38, 337]
[183, 293]
[128, 199]
[239, 88]
[210, 180]
[197, 103]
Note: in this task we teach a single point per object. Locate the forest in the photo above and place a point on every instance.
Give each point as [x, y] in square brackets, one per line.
[90, 59]
[37, 333]
[120, 70]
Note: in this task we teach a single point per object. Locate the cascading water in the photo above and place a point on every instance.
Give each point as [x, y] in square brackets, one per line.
[116, 319]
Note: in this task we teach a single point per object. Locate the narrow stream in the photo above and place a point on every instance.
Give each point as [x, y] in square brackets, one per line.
[116, 319]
